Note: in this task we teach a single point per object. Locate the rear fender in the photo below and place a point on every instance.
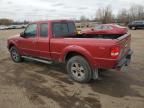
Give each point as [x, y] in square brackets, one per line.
[80, 50]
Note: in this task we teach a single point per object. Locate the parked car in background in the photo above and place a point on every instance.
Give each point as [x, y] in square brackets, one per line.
[3, 27]
[12, 27]
[16, 26]
[106, 29]
[136, 25]
[84, 55]
[23, 26]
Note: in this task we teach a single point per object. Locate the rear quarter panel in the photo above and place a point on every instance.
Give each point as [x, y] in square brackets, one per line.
[90, 48]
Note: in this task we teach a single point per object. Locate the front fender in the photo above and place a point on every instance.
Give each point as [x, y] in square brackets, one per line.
[12, 43]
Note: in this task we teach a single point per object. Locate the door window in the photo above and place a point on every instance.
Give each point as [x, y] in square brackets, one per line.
[31, 30]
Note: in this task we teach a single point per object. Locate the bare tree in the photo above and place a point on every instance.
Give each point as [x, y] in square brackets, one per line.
[123, 16]
[136, 12]
[105, 15]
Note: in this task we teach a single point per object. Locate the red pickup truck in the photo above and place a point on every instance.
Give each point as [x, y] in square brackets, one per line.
[84, 55]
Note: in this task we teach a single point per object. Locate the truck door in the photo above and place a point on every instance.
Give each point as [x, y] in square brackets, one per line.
[43, 41]
[28, 43]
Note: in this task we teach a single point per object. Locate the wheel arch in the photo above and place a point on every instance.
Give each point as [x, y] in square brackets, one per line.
[72, 54]
[11, 45]
[77, 51]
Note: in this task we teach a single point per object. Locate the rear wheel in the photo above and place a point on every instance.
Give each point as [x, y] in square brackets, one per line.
[15, 54]
[79, 69]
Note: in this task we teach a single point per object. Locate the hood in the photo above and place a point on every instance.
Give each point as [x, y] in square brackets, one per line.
[14, 36]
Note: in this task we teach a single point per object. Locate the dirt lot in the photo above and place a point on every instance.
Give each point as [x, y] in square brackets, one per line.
[36, 85]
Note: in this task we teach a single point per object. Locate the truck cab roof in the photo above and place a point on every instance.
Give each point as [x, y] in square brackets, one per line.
[45, 21]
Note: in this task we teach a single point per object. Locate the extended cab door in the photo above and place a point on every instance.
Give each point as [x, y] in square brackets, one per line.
[60, 31]
[43, 41]
[28, 43]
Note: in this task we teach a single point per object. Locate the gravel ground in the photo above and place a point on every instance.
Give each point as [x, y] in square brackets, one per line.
[37, 85]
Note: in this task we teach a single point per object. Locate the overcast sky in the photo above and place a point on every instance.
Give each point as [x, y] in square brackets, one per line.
[57, 9]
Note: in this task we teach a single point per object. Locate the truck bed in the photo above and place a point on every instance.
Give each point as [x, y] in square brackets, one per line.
[109, 36]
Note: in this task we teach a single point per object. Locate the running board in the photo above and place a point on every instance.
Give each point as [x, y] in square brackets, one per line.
[36, 59]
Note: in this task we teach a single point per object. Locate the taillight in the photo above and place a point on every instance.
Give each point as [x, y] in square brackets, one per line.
[115, 52]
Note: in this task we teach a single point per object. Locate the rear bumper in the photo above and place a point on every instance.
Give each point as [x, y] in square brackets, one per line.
[113, 63]
[125, 61]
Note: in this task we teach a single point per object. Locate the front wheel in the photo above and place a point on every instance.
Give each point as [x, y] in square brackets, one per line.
[15, 54]
[79, 69]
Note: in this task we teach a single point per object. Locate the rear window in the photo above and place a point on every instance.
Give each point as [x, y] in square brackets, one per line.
[71, 27]
[61, 29]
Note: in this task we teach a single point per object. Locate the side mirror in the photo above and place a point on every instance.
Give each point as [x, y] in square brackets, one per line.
[22, 34]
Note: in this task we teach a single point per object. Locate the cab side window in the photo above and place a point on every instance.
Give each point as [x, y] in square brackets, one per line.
[31, 31]
[44, 30]
[60, 29]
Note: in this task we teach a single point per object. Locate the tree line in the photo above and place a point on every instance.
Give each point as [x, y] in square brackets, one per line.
[103, 15]
[6, 21]
[125, 16]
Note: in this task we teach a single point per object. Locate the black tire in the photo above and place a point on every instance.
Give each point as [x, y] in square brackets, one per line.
[130, 28]
[15, 55]
[82, 72]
